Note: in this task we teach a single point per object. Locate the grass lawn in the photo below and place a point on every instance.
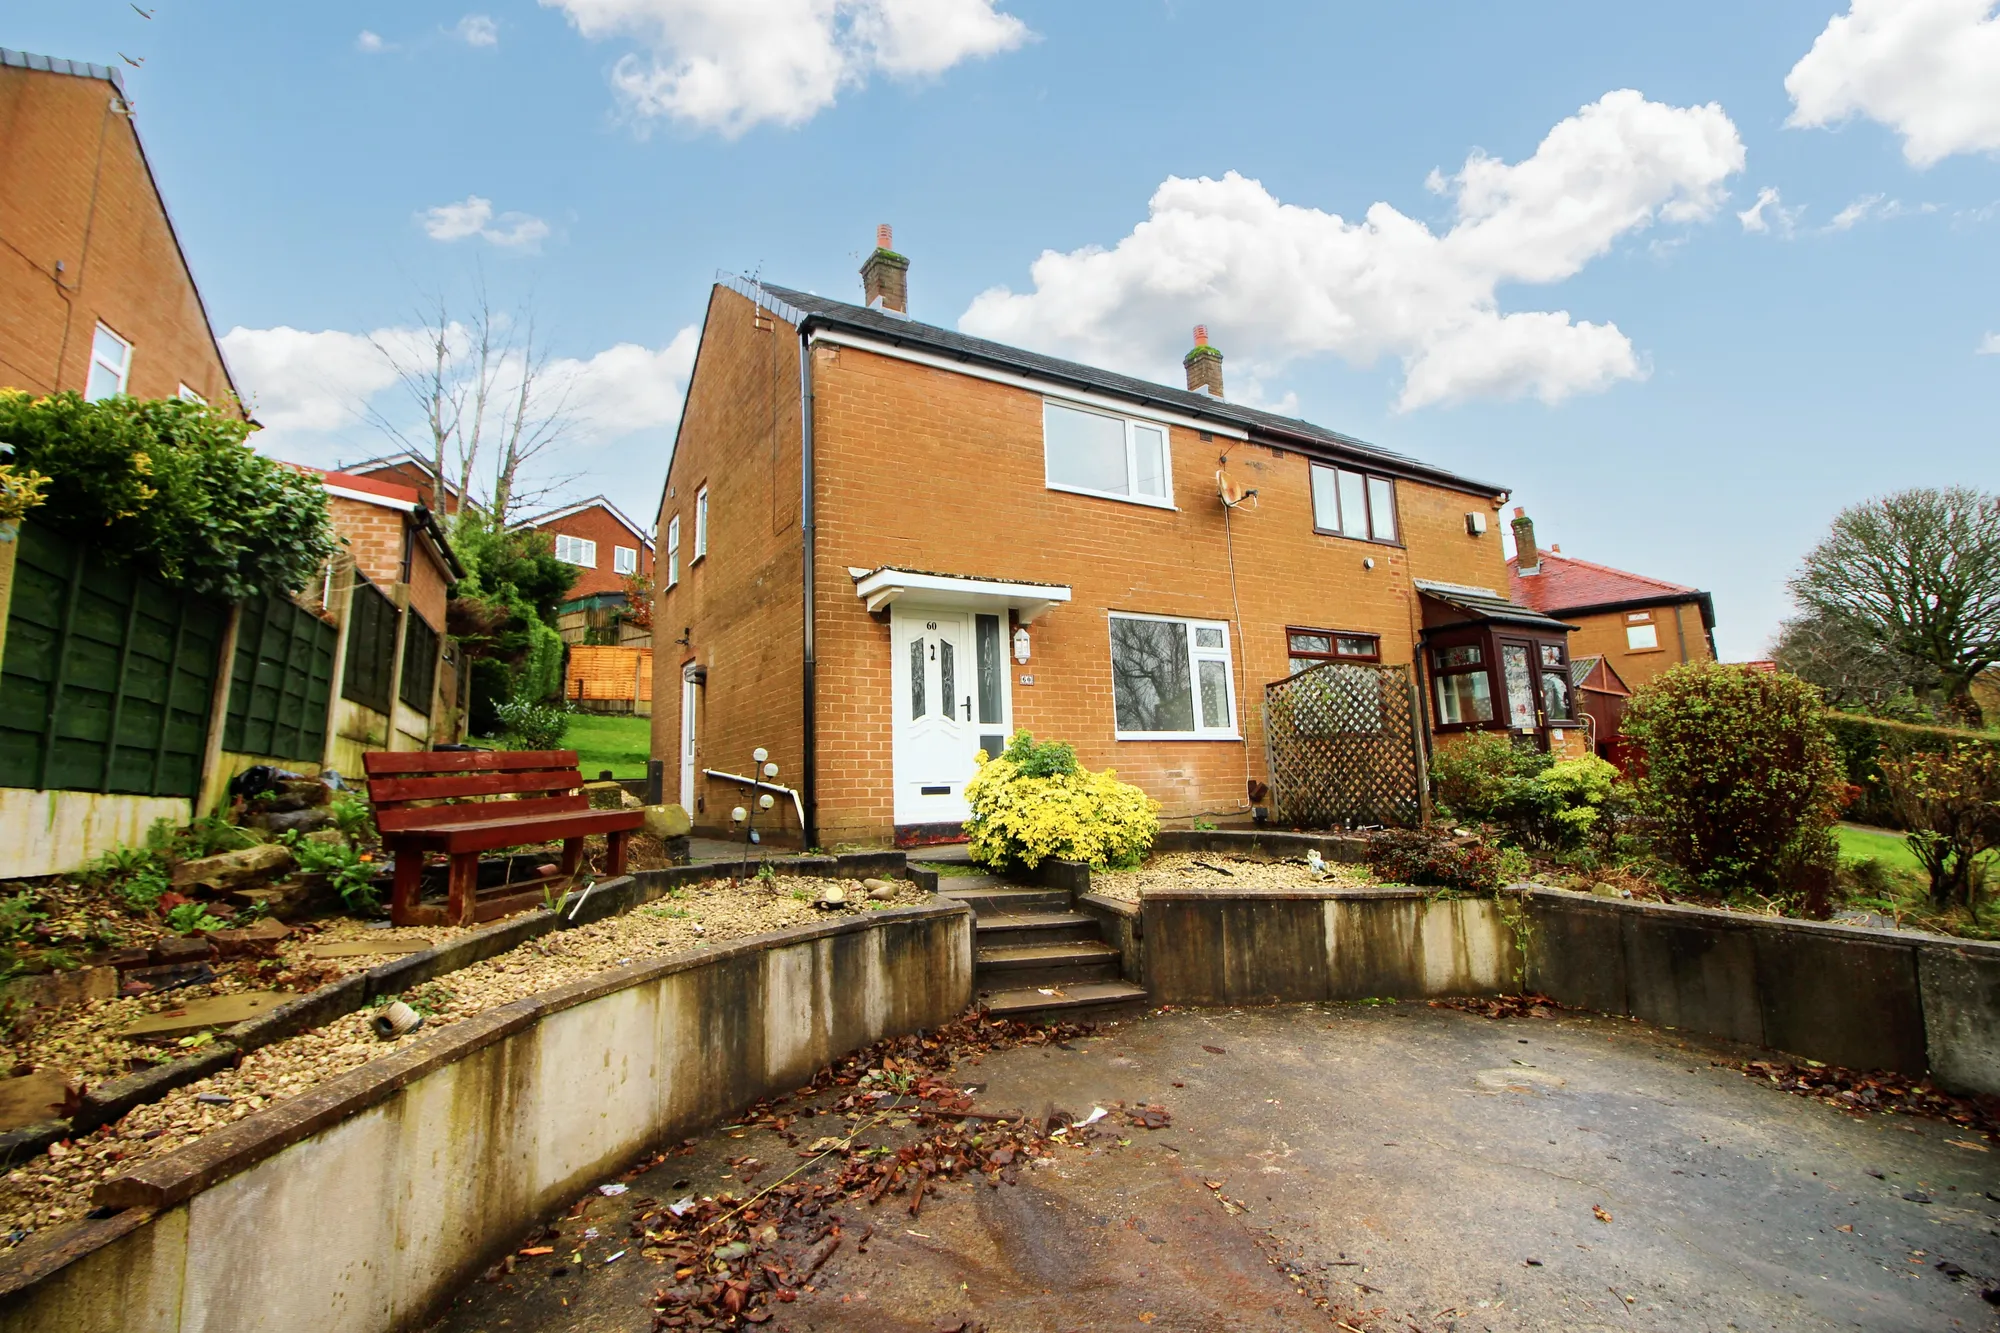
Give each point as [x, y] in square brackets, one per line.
[1887, 847]
[601, 741]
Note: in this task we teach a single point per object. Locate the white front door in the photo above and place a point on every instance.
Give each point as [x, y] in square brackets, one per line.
[951, 699]
[689, 698]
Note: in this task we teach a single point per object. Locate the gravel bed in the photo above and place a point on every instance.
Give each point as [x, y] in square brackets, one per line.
[56, 1188]
[82, 1039]
[1235, 873]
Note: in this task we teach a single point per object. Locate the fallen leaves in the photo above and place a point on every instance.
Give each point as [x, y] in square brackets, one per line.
[1598, 1212]
[1501, 1006]
[1215, 1050]
[1880, 1091]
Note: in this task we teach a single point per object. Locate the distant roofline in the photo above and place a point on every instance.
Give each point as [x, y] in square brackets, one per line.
[594, 501]
[1264, 427]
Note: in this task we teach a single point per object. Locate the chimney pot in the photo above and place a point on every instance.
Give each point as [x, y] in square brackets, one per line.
[1203, 365]
[885, 277]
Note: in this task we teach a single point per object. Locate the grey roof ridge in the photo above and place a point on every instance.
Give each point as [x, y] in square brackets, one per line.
[81, 69]
[794, 307]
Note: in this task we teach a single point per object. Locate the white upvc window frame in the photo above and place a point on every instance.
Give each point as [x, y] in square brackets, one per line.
[673, 550]
[188, 395]
[1196, 656]
[625, 560]
[120, 370]
[582, 551]
[1130, 422]
[700, 525]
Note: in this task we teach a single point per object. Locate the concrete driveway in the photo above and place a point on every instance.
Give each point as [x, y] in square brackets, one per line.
[1383, 1167]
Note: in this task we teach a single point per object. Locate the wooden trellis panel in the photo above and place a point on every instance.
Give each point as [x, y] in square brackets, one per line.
[1344, 748]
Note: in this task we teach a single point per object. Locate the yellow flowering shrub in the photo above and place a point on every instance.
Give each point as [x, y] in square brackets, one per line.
[1034, 801]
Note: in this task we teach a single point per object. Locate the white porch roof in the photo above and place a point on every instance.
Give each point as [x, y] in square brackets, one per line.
[888, 585]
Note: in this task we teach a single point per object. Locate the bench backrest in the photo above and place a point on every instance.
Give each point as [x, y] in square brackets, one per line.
[539, 781]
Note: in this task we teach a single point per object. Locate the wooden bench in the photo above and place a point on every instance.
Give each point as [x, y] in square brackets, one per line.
[465, 802]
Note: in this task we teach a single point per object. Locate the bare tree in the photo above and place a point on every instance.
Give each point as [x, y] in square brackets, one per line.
[474, 387]
[1850, 669]
[1917, 575]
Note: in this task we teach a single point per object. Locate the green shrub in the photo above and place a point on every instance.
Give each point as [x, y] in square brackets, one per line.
[1033, 801]
[18, 916]
[1742, 781]
[1951, 805]
[1865, 742]
[143, 889]
[1554, 805]
[352, 877]
[354, 817]
[1433, 857]
[175, 484]
[193, 918]
[537, 726]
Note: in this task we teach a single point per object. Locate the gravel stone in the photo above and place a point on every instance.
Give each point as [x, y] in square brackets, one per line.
[1189, 870]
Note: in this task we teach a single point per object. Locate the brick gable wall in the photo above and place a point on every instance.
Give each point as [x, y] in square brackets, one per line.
[1678, 626]
[71, 166]
[599, 525]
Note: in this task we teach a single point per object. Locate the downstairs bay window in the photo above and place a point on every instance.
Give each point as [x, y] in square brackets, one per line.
[1171, 678]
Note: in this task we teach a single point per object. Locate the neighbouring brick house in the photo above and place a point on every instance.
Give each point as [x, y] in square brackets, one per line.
[935, 540]
[96, 293]
[411, 470]
[1640, 625]
[607, 549]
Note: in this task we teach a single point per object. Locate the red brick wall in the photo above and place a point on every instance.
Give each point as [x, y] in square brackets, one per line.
[597, 524]
[70, 165]
[741, 607]
[932, 470]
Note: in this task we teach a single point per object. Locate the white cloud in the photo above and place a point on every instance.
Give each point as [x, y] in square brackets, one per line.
[473, 216]
[1989, 345]
[729, 65]
[1875, 208]
[1928, 69]
[1770, 214]
[1278, 281]
[478, 30]
[319, 395]
[370, 43]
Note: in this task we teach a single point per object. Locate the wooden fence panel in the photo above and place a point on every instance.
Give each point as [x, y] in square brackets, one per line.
[108, 675]
[280, 681]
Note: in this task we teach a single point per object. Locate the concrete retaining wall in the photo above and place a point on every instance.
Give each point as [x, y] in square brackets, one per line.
[1339, 944]
[52, 832]
[362, 1204]
[1866, 999]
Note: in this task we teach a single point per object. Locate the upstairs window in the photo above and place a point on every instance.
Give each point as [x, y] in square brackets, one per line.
[576, 551]
[110, 365]
[1310, 647]
[673, 550]
[1095, 453]
[625, 560]
[700, 524]
[1641, 634]
[1170, 679]
[188, 395]
[1353, 504]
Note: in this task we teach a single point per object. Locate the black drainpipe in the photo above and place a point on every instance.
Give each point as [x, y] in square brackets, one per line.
[809, 788]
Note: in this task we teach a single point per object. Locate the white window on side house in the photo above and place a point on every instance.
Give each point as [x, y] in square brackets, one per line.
[188, 395]
[700, 525]
[1353, 504]
[673, 550]
[1642, 638]
[576, 551]
[625, 560]
[110, 365]
[1171, 679]
[1096, 453]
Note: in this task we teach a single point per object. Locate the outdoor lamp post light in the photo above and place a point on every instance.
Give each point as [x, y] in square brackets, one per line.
[770, 770]
[1021, 644]
[738, 815]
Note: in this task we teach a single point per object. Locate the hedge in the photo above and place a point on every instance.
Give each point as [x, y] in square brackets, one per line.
[1862, 741]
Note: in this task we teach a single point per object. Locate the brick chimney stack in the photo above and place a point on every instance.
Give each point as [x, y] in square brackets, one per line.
[885, 278]
[1204, 365]
[1527, 556]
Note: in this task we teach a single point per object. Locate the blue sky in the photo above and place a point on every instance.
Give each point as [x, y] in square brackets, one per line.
[1760, 374]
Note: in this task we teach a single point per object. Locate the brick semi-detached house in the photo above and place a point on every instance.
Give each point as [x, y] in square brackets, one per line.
[919, 542]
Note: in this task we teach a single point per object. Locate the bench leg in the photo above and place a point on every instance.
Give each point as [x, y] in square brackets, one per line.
[614, 852]
[464, 889]
[409, 882]
[572, 856]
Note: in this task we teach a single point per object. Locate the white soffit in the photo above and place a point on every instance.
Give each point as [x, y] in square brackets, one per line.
[886, 586]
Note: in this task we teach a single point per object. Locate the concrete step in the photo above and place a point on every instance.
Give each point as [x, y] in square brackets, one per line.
[1003, 900]
[1034, 928]
[973, 882]
[1062, 1001]
[1073, 961]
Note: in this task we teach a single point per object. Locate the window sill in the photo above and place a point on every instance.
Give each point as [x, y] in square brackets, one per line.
[1366, 541]
[1145, 501]
[1177, 736]
[1643, 652]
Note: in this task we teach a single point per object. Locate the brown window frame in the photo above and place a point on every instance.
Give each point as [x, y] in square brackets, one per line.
[1333, 636]
[1367, 501]
[1487, 639]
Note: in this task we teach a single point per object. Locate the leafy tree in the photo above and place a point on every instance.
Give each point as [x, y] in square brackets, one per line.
[175, 484]
[1951, 804]
[503, 614]
[1742, 781]
[1916, 575]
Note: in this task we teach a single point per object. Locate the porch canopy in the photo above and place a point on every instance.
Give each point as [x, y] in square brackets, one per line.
[1456, 604]
[885, 586]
